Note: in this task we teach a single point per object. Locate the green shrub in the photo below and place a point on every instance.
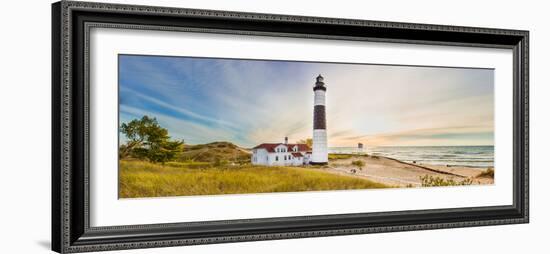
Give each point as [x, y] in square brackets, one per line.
[220, 163]
[431, 181]
[359, 163]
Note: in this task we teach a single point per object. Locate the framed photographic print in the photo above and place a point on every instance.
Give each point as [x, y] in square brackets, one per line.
[181, 126]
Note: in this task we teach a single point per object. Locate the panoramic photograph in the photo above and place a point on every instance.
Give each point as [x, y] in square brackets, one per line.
[212, 126]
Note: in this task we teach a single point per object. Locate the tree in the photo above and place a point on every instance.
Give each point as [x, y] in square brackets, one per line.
[359, 164]
[307, 141]
[148, 140]
[165, 151]
[138, 132]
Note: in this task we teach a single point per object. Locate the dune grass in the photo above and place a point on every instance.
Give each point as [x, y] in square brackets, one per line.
[144, 179]
[489, 173]
[212, 152]
[339, 156]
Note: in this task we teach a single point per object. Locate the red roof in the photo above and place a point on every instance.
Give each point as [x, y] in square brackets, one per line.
[270, 147]
[297, 155]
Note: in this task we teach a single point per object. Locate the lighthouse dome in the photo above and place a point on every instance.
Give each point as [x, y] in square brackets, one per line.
[320, 84]
[320, 78]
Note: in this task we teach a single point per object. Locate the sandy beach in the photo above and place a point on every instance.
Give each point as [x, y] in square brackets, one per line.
[401, 174]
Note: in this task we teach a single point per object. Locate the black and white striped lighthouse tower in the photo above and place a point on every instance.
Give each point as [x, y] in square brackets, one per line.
[320, 151]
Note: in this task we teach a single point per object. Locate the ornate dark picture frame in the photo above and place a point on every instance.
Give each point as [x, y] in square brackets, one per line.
[71, 22]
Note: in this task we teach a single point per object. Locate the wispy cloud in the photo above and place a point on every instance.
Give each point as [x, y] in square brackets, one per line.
[250, 102]
[178, 109]
[179, 129]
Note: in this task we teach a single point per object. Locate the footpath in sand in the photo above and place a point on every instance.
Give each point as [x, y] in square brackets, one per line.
[401, 174]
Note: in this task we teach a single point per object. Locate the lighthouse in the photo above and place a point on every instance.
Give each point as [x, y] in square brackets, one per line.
[319, 154]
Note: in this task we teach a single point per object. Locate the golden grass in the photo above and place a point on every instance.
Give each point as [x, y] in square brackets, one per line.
[144, 179]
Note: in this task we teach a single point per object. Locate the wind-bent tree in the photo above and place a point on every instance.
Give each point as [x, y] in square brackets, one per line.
[148, 140]
[307, 141]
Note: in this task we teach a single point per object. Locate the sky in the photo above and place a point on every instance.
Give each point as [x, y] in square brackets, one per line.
[249, 102]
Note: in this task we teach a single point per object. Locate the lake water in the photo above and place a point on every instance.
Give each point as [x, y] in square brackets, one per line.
[468, 156]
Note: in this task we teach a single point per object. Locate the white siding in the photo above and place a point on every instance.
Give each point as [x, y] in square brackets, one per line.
[320, 151]
[273, 159]
[281, 157]
[307, 158]
[260, 157]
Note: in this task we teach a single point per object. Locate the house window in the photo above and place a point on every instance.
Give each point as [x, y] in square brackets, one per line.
[276, 158]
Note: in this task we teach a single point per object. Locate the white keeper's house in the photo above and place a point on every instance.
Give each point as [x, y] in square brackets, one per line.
[284, 154]
[281, 154]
